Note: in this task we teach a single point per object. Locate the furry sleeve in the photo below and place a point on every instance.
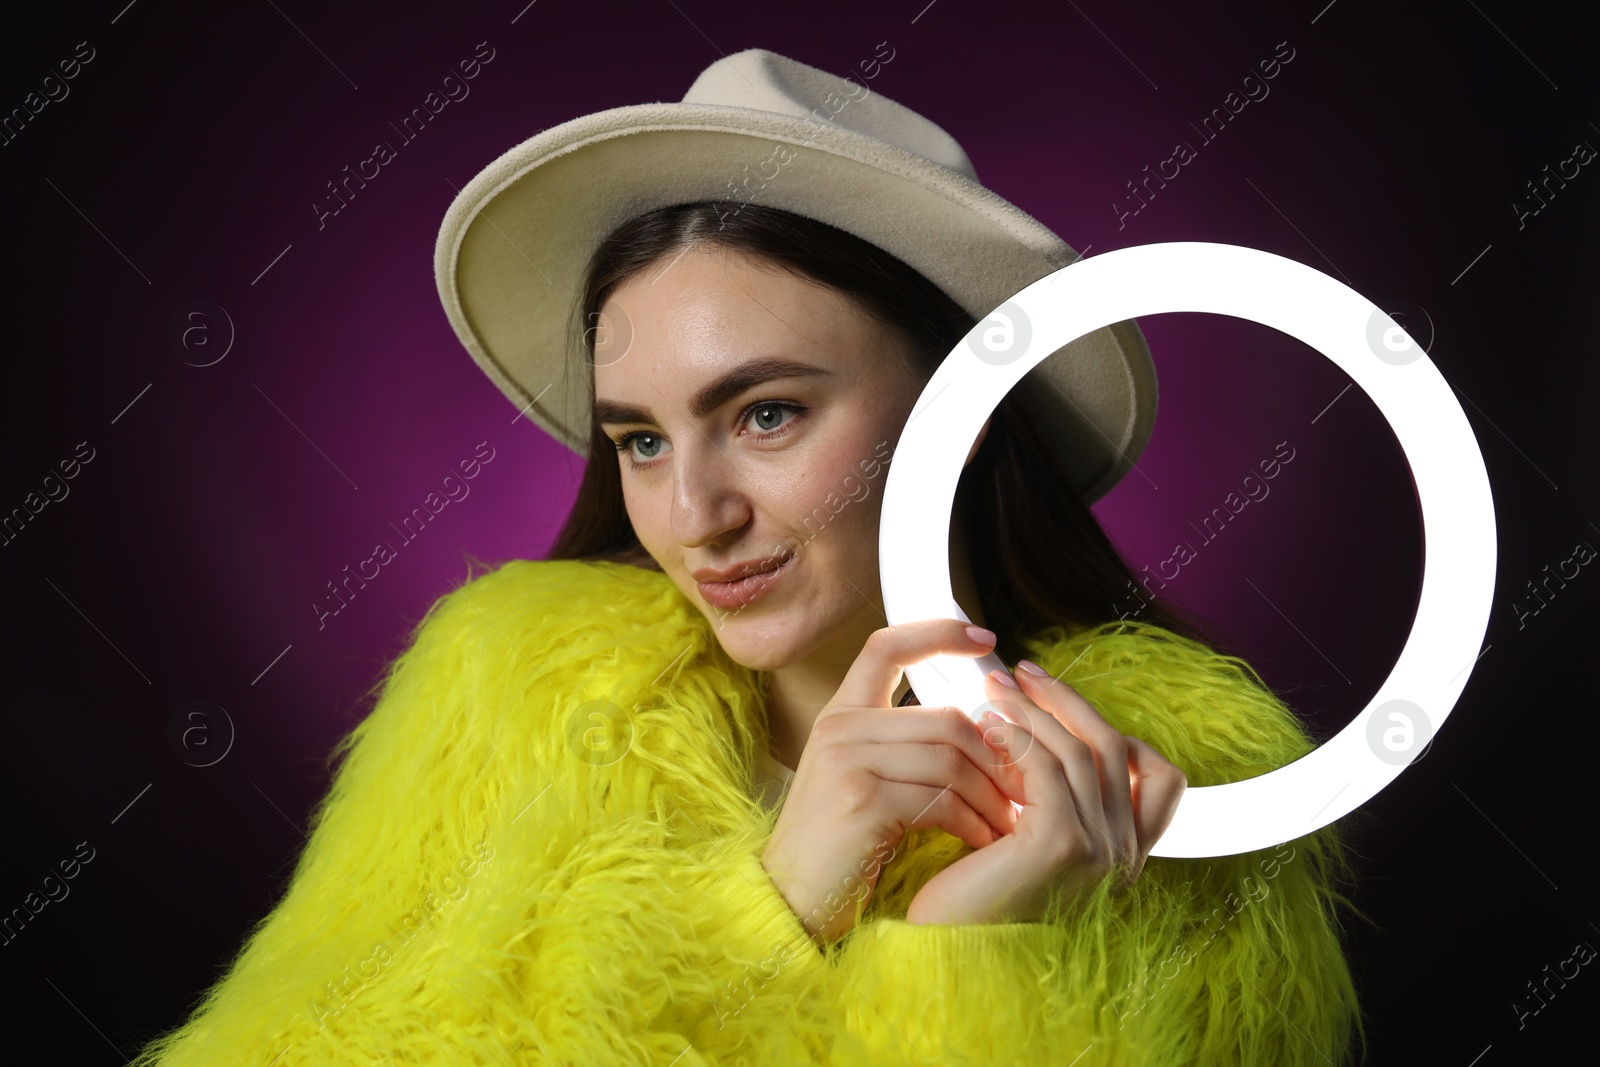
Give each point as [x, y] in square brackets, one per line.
[479, 886]
[1226, 960]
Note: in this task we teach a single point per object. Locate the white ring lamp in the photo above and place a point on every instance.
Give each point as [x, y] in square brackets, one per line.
[1446, 465]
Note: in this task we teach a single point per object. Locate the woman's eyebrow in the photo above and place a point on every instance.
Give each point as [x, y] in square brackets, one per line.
[713, 396]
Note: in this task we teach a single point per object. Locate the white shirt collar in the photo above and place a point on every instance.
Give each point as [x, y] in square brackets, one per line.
[772, 779]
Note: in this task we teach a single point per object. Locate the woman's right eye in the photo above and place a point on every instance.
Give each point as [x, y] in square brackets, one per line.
[624, 446]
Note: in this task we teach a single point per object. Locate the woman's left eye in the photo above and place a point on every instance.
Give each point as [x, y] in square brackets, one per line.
[764, 415]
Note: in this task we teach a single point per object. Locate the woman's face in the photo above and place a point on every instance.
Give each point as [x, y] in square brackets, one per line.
[757, 411]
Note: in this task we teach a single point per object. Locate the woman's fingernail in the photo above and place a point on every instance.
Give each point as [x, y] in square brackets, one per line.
[1004, 678]
[1033, 668]
[980, 635]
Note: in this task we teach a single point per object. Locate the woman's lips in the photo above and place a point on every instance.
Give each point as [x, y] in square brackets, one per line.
[745, 591]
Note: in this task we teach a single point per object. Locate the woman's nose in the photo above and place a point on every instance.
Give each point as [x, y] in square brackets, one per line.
[709, 495]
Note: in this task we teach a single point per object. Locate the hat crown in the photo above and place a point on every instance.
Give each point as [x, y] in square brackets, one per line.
[766, 81]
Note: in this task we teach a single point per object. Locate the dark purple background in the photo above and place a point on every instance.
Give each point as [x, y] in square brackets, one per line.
[184, 562]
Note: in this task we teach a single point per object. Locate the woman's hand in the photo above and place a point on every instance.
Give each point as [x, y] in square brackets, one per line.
[1094, 799]
[870, 772]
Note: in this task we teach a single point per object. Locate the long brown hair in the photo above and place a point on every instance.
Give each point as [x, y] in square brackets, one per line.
[1039, 557]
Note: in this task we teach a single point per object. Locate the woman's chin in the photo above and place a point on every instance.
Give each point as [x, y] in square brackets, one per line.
[760, 645]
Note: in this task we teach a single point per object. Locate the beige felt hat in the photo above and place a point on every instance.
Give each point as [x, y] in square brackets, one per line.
[757, 127]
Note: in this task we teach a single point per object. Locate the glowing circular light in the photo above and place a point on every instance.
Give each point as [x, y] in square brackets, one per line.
[1374, 350]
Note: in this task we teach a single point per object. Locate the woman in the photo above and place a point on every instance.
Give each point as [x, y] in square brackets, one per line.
[569, 831]
[685, 294]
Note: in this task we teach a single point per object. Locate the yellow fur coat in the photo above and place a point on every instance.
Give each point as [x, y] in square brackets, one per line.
[543, 847]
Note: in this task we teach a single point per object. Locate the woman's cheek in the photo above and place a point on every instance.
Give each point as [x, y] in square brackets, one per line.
[641, 515]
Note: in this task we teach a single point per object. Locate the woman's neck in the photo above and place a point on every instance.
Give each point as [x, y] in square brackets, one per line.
[796, 694]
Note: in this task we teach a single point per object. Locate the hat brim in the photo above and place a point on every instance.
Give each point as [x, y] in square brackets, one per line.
[514, 245]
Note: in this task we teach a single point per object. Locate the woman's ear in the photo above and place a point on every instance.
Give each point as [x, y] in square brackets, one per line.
[973, 451]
